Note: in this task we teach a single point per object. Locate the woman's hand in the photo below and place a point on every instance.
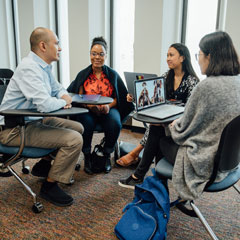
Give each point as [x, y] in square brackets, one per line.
[104, 109]
[130, 97]
[98, 109]
[94, 108]
[173, 123]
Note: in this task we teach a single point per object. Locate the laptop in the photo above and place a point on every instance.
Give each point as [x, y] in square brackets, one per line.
[151, 99]
[130, 77]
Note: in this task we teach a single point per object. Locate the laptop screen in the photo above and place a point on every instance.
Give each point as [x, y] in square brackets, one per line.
[130, 77]
[149, 92]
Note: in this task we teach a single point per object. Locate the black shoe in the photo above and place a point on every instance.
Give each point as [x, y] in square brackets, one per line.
[130, 182]
[41, 168]
[88, 164]
[108, 166]
[5, 173]
[54, 194]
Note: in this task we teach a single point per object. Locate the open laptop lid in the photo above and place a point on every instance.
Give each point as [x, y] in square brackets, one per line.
[149, 92]
[130, 77]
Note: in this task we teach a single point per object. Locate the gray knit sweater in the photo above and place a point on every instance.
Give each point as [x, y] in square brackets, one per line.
[214, 102]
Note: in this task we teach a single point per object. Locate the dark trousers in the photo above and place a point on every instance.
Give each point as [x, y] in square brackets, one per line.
[157, 146]
[110, 124]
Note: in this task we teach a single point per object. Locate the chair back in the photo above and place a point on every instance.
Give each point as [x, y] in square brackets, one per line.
[3, 89]
[5, 75]
[228, 154]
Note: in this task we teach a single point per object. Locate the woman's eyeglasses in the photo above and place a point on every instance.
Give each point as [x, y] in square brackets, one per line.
[197, 55]
[94, 54]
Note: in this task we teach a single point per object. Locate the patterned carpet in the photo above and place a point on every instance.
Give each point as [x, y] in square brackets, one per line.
[98, 202]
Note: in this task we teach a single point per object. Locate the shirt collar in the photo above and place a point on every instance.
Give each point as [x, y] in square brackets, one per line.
[39, 60]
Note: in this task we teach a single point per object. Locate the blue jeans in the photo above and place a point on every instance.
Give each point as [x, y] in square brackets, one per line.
[110, 124]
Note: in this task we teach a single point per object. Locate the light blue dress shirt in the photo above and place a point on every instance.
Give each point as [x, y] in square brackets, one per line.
[33, 87]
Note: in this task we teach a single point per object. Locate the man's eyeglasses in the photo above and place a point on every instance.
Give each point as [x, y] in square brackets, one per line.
[94, 54]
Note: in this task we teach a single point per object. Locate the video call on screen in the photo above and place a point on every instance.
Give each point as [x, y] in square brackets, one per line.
[149, 92]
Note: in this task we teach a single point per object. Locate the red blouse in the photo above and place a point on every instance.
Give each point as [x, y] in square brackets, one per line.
[100, 86]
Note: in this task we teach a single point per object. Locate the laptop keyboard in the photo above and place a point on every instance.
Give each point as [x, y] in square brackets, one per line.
[162, 111]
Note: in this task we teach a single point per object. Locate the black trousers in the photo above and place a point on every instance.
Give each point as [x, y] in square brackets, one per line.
[158, 145]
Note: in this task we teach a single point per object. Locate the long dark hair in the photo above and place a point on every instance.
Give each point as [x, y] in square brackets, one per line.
[186, 66]
[223, 56]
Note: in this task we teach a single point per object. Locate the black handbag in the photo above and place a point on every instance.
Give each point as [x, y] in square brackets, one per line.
[98, 160]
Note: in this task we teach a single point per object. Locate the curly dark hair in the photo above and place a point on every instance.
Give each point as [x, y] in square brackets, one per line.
[101, 41]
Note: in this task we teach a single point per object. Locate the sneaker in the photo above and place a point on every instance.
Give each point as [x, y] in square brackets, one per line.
[41, 168]
[54, 194]
[130, 182]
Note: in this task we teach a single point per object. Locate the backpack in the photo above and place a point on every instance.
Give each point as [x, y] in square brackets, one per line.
[146, 217]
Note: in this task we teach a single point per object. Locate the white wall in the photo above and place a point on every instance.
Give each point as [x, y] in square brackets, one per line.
[87, 19]
[232, 22]
[78, 36]
[147, 39]
[171, 28]
[26, 24]
[7, 48]
[157, 25]
[31, 14]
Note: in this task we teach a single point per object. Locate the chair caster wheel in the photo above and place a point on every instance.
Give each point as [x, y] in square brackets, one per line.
[26, 170]
[37, 207]
[77, 168]
[71, 182]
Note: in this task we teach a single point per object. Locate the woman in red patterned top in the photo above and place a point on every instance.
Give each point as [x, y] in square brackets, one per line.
[101, 79]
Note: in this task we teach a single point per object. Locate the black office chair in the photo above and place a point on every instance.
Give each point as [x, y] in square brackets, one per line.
[11, 155]
[226, 159]
[5, 76]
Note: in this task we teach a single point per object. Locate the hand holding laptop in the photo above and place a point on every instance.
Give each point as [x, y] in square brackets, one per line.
[99, 109]
[130, 97]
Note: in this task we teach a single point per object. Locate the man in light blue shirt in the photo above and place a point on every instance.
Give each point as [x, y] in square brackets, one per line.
[34, 87]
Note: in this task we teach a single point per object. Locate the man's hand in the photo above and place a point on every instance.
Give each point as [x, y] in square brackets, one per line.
[67, 98]
[67, 106]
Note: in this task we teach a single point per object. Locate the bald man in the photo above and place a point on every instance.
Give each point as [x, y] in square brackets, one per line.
[34, 87]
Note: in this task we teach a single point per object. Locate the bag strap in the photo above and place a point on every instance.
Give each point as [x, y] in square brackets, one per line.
[174, 203]
[154, 185]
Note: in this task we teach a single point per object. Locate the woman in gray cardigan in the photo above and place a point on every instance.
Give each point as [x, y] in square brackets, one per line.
[213, 104]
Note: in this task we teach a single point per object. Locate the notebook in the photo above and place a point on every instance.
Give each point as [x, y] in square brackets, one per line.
[130, 77]
[79, 98]
[151, 99]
